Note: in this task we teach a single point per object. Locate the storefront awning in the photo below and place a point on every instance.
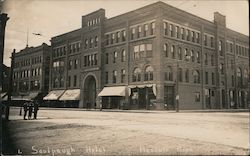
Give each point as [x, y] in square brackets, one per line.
[73, 94]
[113, 91]
[142, 86]
[4, 96]
[54, 95]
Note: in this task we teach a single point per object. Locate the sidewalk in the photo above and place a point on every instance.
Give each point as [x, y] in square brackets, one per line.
[146, 111]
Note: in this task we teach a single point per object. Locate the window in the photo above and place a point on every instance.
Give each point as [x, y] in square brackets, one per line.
[76, 64]
[165, 26]
[114, 57]
[123, 75]
[117, 37]
[198, 56]
[180, 53]
[177, 31]
[136, 75]
[75, 80]
[222, 68]
[239, 77]
[112, 38]
[85, 46]
[152, 28]
[192, 56]
[213, 79]
[107, 58]
[149, 50]
[188, 34]
[220, 48]
[186, 54]
[192, 36]
[212, 41]
[169, 74]
[132, 33]
[107, 39]
[123, 55]
[114, 76]
[145, 30]
[172, 51]
[139, 32]
[96, 41]
[106, 77]
[171, 30]
[166, 49]
[91, 42]
[205, 59]
[179, 74]
[123, 35]
[148, 76]
[70, 64]
[205, 40]
[212, 60]
[187, 75]
[142, 51]
[196, 76]
[206, 77]
[182, 33]
[197, 97]
[136, 52]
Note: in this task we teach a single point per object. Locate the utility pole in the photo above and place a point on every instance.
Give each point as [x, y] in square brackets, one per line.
[10, 85]
[177, 97]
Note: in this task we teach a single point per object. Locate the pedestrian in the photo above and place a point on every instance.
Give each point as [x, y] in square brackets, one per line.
[36, 108]
[30, 110]
[25, 109]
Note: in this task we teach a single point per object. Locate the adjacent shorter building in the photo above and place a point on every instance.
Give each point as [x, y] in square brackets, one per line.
[31, 73]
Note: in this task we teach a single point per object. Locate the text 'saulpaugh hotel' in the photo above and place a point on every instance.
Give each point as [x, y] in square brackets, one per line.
[150, 58]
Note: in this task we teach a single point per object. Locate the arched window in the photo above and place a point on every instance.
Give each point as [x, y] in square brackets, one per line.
[239, 76]
[172, 51]
[136, 75]
[148, 76]
[114, 76]
[114, 57]
[169, 74]
[166, 49]
[180, 53]
[196, 76]
[123, 55]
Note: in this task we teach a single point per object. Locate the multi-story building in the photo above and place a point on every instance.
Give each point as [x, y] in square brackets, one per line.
[65, 69]
[154, 57]
[31, 73]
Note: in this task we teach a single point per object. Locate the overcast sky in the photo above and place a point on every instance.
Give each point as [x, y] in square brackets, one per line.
[54, 17]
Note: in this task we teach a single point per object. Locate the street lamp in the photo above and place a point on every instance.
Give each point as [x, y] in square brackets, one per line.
[177, 97]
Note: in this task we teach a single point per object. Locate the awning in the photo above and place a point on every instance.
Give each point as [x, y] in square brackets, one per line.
[4, 96]
[113, 91]
[73, 94]
[142, 86]
[54, 95]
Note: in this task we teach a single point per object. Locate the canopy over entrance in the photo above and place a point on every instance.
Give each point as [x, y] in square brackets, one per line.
[113, 91]
[73, 94]
[54, 95]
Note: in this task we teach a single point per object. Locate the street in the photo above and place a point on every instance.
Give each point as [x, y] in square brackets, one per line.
[81, 132]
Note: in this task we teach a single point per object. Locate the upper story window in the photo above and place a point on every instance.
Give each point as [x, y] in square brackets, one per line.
[91, 42]
[96, 41]
[192, 36]
[139, 32]
[220, 48]
[123, 55]
[198, 56]
[123, 35]
[148, 76]
[107, 39]
[152, 28]
[188, 34]
[145, 30]
[197, 37]
[182, 33]
[231, 47]
[177, 31]
[165, 26]
[132, 33]
[112, 38]
[142, 50]
[166, 49]
[171, 29]
[196, 76]
[136, 75]
[114, 76]
[117, 37]
[172, 51]
[192, 56]
[86, 43]
[114, 57]
[239, 77]
[205, 40]
[180, 53]
[206, 59]
[123, 74]
[169, 74]
[212, 42]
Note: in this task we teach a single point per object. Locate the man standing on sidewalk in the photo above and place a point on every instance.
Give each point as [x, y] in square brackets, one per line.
[36, 108]
[25, 109]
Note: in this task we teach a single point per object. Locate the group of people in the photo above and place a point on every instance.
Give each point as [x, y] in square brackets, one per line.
[30, 107]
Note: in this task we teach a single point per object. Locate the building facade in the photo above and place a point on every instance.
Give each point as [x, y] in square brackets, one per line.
[31, 73]
[154, 57]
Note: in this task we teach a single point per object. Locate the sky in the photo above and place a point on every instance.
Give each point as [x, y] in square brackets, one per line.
[54, 17]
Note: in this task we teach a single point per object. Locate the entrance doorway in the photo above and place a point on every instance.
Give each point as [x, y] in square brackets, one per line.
[169, 97]
[89, 98]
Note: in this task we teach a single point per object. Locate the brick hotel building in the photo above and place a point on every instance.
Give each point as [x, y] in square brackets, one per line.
[150, 58]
